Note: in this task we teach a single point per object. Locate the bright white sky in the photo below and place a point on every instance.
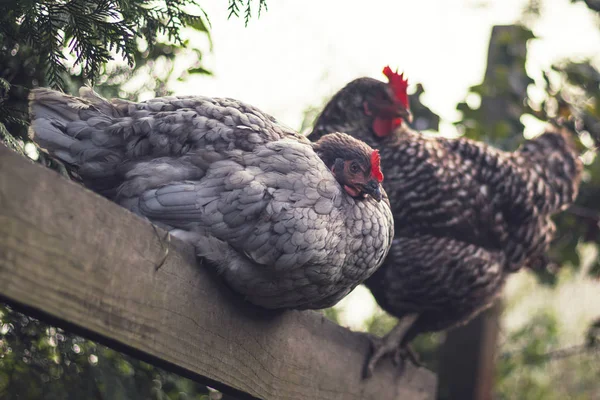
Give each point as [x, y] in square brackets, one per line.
[302, 51]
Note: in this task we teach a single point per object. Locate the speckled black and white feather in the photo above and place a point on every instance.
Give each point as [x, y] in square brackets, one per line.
[253, 196]
[466, 214]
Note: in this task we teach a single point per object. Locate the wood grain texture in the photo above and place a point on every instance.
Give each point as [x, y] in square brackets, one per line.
[84, 262]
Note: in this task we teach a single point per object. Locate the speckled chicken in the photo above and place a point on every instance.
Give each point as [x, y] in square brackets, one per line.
[288, 223]
[466, 214]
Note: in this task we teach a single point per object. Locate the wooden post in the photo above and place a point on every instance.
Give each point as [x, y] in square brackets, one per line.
[467, 357]
[81, 262]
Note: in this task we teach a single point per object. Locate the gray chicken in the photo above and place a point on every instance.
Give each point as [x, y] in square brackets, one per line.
[466, 214]
[287, 223]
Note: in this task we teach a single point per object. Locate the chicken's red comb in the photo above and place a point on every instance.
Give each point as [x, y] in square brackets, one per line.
[376, 166]
[398, 85]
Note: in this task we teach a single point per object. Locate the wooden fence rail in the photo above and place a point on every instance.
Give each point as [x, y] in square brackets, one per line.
[72, 257]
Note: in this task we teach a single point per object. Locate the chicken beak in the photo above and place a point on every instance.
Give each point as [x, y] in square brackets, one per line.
[373, 189]
[388, 110]
[405, 114]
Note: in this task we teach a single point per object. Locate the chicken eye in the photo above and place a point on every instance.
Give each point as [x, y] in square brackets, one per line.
[354, 168]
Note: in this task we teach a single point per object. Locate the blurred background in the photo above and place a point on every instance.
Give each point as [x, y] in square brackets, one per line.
[494, 71]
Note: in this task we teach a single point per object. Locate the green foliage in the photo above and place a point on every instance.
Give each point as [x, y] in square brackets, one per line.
[38, 361]
[93, 31]
[530, 364]
[497, 119]
[157, 67]
[332, 314]
[234, 8]
[12, 116]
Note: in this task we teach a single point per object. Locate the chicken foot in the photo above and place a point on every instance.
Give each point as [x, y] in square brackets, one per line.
[392, 343]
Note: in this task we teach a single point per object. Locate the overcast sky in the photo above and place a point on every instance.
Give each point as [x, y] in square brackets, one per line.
[302, 51]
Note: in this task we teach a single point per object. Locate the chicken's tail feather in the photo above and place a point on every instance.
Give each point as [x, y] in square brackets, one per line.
[49, 111]
[73, 130]
[559, 165]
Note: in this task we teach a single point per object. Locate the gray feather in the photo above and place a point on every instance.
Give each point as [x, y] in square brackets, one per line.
[252, 195]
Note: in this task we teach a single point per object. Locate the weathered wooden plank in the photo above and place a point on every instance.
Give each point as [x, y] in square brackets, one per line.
[81, 260]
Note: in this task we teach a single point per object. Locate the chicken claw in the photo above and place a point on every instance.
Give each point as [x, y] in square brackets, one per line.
[392, 343]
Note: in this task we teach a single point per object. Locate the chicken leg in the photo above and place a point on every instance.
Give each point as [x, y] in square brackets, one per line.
[391, 344]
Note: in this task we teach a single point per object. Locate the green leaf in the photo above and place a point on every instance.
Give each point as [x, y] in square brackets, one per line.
[199, 70]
